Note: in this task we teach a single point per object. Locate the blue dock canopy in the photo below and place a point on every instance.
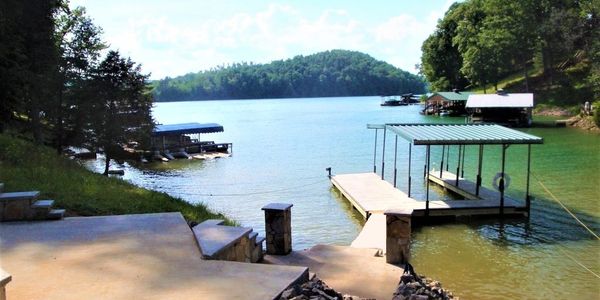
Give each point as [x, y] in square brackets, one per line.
[186, 128]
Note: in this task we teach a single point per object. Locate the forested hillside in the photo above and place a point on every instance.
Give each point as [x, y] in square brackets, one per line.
[551, 48]
[325, 74]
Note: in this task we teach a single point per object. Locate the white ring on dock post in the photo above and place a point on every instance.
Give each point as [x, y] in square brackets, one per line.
[496, 181]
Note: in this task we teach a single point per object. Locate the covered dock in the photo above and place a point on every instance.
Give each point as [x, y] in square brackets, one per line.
[513, 109]
[370, 193]
[181, 139]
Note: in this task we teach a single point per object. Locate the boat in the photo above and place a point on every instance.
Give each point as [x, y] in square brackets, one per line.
[391, 101]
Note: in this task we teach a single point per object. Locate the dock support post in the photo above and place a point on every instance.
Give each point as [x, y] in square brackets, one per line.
[458, 164]
[447, 158]
[442, 163]
[398, 230]
[462, 171]
[278, 228]
[501, 184]
[527, 197]
[425, 165]
[375, 154]
[478, 183]
[409, 163]
[383, 154]
[427, 184]
[395, 159]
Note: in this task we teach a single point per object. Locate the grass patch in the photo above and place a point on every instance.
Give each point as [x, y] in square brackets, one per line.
[26, 166]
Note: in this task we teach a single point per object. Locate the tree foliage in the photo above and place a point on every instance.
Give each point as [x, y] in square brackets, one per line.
[441, 60]
[120, 103]
[486, 40]
[325, 74]
[54, 85]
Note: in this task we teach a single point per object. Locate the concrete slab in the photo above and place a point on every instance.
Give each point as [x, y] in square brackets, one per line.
[151, 256]
[348, 270]
[372, 236]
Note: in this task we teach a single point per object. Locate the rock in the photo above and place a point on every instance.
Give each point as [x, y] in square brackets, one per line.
[415, 287]
[289, 293]
[314, 289]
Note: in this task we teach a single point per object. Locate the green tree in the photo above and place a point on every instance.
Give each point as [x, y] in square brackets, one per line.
[28, 60]
[441, 61]
[120, 107]
[79, 43]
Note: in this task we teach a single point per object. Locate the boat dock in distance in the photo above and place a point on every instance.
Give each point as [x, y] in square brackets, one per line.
[183, 141]
[371, 195]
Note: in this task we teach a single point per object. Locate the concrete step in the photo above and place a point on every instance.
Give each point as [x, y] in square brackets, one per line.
[219, 241]
[252, 237]
[211, 222]
[17, 196]
[258, 252]
[56, 214]
[43, 204]
[40, 209]
[16, 206]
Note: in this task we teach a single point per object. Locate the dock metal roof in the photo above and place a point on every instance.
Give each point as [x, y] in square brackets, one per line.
[460, 134]
[500, 100]
[454, 96]
[186, 128]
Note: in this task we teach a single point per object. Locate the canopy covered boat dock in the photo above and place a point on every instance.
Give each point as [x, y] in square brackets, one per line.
[370, 193]
[514, 109]
[177, 140]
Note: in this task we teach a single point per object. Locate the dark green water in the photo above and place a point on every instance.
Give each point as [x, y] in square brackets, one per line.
[281, 150]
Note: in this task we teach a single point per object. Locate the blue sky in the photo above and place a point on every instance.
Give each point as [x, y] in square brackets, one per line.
[172, 38]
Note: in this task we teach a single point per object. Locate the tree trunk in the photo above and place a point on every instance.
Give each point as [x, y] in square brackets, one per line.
[106, 164]
[59, 124]
[526, 78]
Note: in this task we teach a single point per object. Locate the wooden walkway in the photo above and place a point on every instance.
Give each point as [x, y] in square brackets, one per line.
[368, 194]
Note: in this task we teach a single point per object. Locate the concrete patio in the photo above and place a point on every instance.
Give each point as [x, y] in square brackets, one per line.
[150, 256]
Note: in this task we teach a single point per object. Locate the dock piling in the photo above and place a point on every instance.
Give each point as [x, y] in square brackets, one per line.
[478, 182]
[398, 230]
[527, 197]
[427, 184]
[383, 154]
[375, 153]
[442, 163]
[278, 228]
[409, 163]
[458, 164]
[395, 159]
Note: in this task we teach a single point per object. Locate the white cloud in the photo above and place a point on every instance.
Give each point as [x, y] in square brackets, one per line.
[169, 46]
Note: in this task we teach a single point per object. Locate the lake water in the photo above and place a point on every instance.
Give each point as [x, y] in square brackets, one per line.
[281, 148]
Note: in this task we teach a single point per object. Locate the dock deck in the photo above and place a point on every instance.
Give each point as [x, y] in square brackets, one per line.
[369, 194]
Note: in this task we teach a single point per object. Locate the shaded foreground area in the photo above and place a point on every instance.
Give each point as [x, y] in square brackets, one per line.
[148, 256]
[26, 166]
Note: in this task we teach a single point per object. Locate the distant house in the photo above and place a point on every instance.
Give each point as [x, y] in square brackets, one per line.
[447, 103]
[502, 108]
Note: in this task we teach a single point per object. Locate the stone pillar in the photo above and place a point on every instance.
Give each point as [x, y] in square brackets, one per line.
[278, 228]
[398, 229]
